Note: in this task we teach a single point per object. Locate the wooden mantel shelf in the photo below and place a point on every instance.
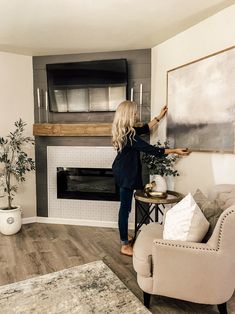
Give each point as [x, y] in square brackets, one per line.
[70, 129]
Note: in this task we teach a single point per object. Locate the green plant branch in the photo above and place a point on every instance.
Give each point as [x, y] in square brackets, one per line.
[164, 165]
[16, 162]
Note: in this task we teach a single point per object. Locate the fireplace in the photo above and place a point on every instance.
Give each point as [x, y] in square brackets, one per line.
[86, 184]
[88, 212]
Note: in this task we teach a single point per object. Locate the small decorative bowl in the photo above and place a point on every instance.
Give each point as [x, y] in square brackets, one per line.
[157, 194]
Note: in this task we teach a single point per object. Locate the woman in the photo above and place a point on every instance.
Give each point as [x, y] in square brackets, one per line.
[127, 165]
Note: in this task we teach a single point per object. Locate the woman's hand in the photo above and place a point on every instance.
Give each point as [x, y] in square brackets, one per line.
[157, 119]
[182, 151]
[178, 151]
[162, 113]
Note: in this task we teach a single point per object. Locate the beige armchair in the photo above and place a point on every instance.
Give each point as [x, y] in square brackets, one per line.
[197, 272]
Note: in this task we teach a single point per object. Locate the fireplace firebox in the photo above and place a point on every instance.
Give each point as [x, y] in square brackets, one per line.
[86, 184]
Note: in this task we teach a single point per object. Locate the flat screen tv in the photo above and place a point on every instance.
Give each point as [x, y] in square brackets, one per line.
[87, 86]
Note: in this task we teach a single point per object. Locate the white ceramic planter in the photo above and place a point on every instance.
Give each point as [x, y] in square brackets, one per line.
[161, 185]
[10, 220]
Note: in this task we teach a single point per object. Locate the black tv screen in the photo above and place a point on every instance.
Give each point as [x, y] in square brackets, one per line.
[101, 72]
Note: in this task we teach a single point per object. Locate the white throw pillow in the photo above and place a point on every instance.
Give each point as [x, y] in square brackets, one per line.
[185, 221]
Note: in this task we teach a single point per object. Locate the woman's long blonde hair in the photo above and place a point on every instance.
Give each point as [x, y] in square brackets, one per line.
[123, 124]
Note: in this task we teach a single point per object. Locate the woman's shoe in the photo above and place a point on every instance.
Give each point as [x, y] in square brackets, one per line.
[127, 250]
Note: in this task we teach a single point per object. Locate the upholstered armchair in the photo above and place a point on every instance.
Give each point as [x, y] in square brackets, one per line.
[197, 272]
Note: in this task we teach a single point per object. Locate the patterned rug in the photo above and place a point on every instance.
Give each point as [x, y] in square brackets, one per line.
[90, 288]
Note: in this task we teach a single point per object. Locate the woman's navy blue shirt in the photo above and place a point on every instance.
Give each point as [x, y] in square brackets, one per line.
[127, 168]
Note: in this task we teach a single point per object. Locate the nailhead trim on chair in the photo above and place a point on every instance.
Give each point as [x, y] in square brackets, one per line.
[185, 246]
[221, 227]
[200, 248]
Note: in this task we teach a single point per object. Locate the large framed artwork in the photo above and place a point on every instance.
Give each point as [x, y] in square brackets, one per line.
[201, 104]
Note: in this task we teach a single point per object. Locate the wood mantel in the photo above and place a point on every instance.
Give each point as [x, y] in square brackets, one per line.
[70, 129]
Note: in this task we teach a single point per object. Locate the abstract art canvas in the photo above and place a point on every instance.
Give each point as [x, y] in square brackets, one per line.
[201, 102]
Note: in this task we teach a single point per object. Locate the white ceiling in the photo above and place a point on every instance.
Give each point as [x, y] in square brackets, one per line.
[46, 27]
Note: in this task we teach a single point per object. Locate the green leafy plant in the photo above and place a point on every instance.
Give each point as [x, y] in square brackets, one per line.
[15, 160]
[164, 165]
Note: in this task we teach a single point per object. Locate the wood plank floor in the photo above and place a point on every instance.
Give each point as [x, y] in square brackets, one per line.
[43, 248]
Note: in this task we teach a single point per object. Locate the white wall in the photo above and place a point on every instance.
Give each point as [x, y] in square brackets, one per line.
[16, 100]
[211, 35]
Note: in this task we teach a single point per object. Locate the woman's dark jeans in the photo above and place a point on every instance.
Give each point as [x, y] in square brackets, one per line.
[125, 208]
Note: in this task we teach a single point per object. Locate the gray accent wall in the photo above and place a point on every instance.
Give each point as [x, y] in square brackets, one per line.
[139, 72]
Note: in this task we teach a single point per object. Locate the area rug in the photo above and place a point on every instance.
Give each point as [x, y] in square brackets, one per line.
[90, 288]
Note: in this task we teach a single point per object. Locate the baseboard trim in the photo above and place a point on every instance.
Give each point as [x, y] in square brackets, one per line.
[79, 222]
[29, 220]
[75, 222]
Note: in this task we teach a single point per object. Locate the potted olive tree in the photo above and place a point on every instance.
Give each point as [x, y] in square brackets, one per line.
[160, 167]
[14, 164]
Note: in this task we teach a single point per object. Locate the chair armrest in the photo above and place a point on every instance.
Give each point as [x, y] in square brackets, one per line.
[182, 256]
[182, 268]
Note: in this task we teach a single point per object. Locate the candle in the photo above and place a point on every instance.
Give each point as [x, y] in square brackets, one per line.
[132, 93]
[38, 97]
[141, 98]
[46, 106]
[46, 100]
[141, 93]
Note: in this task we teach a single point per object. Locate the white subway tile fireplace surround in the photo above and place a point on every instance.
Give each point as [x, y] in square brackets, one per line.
[80, 212]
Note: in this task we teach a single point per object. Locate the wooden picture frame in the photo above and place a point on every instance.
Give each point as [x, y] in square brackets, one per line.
[201, 103]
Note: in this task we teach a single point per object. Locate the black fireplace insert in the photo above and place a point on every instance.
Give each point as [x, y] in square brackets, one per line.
[86, 184]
